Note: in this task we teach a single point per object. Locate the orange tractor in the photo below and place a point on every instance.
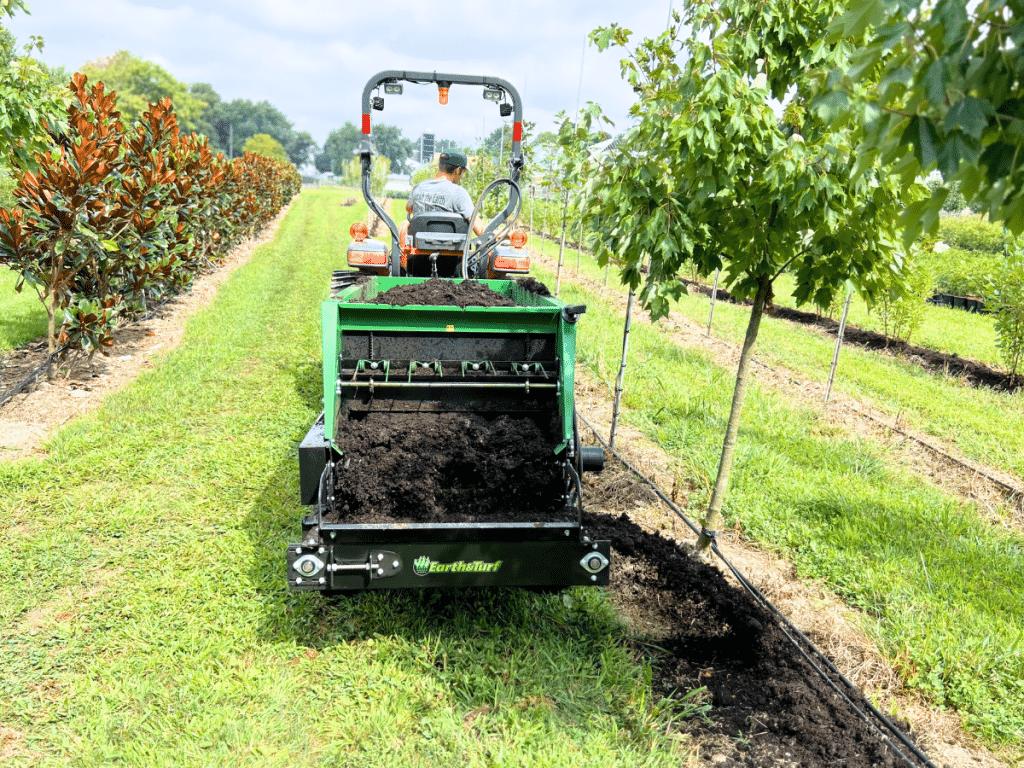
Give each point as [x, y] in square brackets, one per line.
[439, 243]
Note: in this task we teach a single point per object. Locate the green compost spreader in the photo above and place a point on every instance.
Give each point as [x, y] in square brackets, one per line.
[483, 360]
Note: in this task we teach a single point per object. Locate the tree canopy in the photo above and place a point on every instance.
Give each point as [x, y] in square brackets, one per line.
[230, 123]
[267, 146]
[339, 149]
[32, 97]
[390, 143]
[711, 178]
[935, 86]
[139, 83]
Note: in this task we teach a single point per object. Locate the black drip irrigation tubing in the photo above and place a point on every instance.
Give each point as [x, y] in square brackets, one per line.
[28, 380]
[795, 636]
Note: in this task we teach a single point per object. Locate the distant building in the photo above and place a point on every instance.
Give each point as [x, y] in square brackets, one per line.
[426, 147]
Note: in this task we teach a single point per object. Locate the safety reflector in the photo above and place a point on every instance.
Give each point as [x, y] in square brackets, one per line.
[512, 263]
[369, 258]
[358, 231]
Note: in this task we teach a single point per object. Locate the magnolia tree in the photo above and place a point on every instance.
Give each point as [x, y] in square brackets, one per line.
[711, 177]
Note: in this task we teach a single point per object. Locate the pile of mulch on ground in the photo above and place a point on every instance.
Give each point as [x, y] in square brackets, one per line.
[439, 292]
[769, 707]
[976, 374]
[446, 468]
[533, 285]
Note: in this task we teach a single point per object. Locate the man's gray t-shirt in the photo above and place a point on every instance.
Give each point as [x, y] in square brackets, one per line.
[441, 195]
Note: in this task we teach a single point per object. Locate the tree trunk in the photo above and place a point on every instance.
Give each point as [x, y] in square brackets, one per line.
[714, 514]
[51, 332]
[561, 247]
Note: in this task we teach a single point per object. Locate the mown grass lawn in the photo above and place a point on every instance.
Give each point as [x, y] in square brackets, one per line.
[144, 619]
[22, 316]
[941, 589]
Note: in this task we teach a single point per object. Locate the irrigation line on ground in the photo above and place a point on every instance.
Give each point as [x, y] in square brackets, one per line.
[787, 627]
[10, 394]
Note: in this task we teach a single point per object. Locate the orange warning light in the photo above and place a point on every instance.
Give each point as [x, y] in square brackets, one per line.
[358, 231]
[442, 95]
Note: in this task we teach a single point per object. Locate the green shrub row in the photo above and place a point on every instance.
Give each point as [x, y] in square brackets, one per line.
[118, 217]
[972, 233]
[963, 273]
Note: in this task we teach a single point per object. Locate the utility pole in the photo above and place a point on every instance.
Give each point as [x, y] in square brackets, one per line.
[231, 141]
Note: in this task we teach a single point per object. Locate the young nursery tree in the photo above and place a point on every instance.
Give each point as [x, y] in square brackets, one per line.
[31, 102]
[712, 177]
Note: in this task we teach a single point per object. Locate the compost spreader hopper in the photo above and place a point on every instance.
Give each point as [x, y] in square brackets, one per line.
[448, 452]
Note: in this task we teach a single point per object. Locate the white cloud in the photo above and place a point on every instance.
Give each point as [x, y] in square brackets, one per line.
[311, 58]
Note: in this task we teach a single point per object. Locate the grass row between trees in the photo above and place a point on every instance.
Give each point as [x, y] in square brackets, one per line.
[144, 618]
[987, 426]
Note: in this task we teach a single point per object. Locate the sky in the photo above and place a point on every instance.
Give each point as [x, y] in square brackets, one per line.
[311, 58]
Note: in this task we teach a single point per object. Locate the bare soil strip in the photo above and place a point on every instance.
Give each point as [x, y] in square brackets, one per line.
[27, 421]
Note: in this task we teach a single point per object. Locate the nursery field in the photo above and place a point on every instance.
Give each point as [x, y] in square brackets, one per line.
[986, 425]
[145, 620]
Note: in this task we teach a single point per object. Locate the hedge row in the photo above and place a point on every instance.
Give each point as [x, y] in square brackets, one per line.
[972, 233]
[116, 218]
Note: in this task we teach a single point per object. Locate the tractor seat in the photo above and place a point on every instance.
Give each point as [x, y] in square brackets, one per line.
[438, 231]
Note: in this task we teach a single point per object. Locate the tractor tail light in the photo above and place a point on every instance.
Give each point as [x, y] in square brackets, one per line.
[518, 238]
[359, 231]
[368, 258]
[512, 263]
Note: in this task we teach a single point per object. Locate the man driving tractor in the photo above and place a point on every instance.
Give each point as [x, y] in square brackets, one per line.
[443, 192]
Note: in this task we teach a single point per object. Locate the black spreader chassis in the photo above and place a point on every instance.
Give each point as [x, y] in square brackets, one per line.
[338, 557]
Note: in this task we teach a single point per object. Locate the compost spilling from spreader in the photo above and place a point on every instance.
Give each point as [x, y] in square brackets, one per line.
[446, 468]
[769, 707]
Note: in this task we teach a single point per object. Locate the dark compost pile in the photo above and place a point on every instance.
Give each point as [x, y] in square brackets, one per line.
[769, 707]
[533, 285]
[439, 292]
[446, 468]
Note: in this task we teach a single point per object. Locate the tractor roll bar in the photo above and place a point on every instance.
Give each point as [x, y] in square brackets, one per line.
[515, 161]
[394, 75]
